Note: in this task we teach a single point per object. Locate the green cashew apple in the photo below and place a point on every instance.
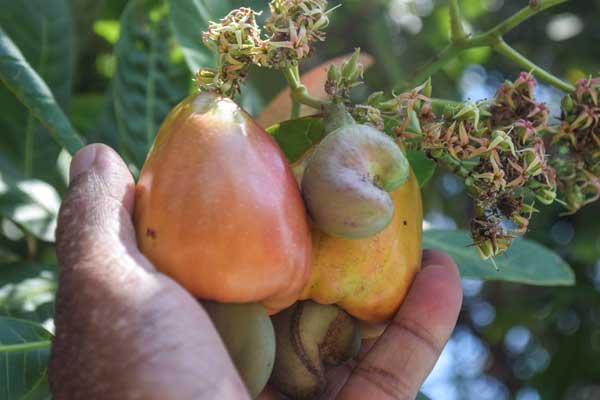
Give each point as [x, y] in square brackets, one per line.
[310, 336]
[248, 335]
[348, 178]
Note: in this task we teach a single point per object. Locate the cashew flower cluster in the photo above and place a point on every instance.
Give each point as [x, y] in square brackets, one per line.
[496, 146]
[292, 29]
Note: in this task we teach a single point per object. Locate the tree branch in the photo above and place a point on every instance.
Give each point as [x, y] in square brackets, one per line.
[492, 38]
[298, 91]
[507, 51]
[457, 31]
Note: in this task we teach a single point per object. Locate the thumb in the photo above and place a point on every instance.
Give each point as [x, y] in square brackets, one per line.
[95, 216]
[133, 331]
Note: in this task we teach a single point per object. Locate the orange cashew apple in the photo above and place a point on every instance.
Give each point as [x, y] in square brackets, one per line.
[218, 209]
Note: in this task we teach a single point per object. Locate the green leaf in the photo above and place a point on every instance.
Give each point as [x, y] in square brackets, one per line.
[423, 167]
[421, 396]
[250, 100]
[297, 135]
[24, 354]
[189, 18]
[525, 262]
[85, 111]
[32, 204]
[147, 82]
[107, 29]
[9, 251]
[27, 290]
[36, 66]
[390, 123]
[29, 87]
[105, 127]
[63, 164]
[85, 12]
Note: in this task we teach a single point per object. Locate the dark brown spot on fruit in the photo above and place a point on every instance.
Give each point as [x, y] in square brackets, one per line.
[151, 233]
[405, 223]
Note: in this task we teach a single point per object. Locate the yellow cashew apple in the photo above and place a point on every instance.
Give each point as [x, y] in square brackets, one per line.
[369, 278]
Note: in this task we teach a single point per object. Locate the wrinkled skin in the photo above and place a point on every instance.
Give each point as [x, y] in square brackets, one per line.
[347, 179]
[218, 210]
[369, 278]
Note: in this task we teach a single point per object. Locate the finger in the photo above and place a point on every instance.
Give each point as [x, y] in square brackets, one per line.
[133, 331]
[404, 355]
[95, 216]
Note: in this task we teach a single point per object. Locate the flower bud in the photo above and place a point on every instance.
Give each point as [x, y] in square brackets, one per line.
[485, 250]
[503, 141]
[546, 196]
[356, 76]
[521, 221]
[334, 74]
[375, 98]
[567, 104]
[448, 111]
[351, 66]
[470, 111]
[534, 164]
[437, 153]
[427, 88]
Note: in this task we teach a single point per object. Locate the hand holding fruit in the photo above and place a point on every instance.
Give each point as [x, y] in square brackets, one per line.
[137, 333]
[124, 330]
[217, 209]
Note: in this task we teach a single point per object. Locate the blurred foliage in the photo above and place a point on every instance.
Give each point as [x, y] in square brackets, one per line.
[512, 341]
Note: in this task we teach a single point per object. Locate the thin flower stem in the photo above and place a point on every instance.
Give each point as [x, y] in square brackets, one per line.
[295, 110]
[454, 166]
[456, 26]
[29, 346]
[458, 168]
[503, 48]
[439, 105]
[295, 104]
[299, 93]
[521, 16]
[492, 38]
[437, 63]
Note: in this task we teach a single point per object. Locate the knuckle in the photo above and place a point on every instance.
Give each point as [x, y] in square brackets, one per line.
[90, 220]
[418, 332]
[393, 385]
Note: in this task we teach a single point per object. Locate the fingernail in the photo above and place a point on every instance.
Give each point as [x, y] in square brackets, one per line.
[82, 162]
[435, 257]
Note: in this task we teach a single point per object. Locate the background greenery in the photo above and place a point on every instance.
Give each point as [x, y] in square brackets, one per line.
[115, 67]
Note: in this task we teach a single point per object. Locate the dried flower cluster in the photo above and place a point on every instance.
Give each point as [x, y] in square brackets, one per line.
[237, 40]
[577, 142]
[495, 146]
[340, 81]
[293, 27]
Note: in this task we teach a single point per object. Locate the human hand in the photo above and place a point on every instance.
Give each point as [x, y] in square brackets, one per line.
[394, 366]
[123, 330]
[126, 331]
